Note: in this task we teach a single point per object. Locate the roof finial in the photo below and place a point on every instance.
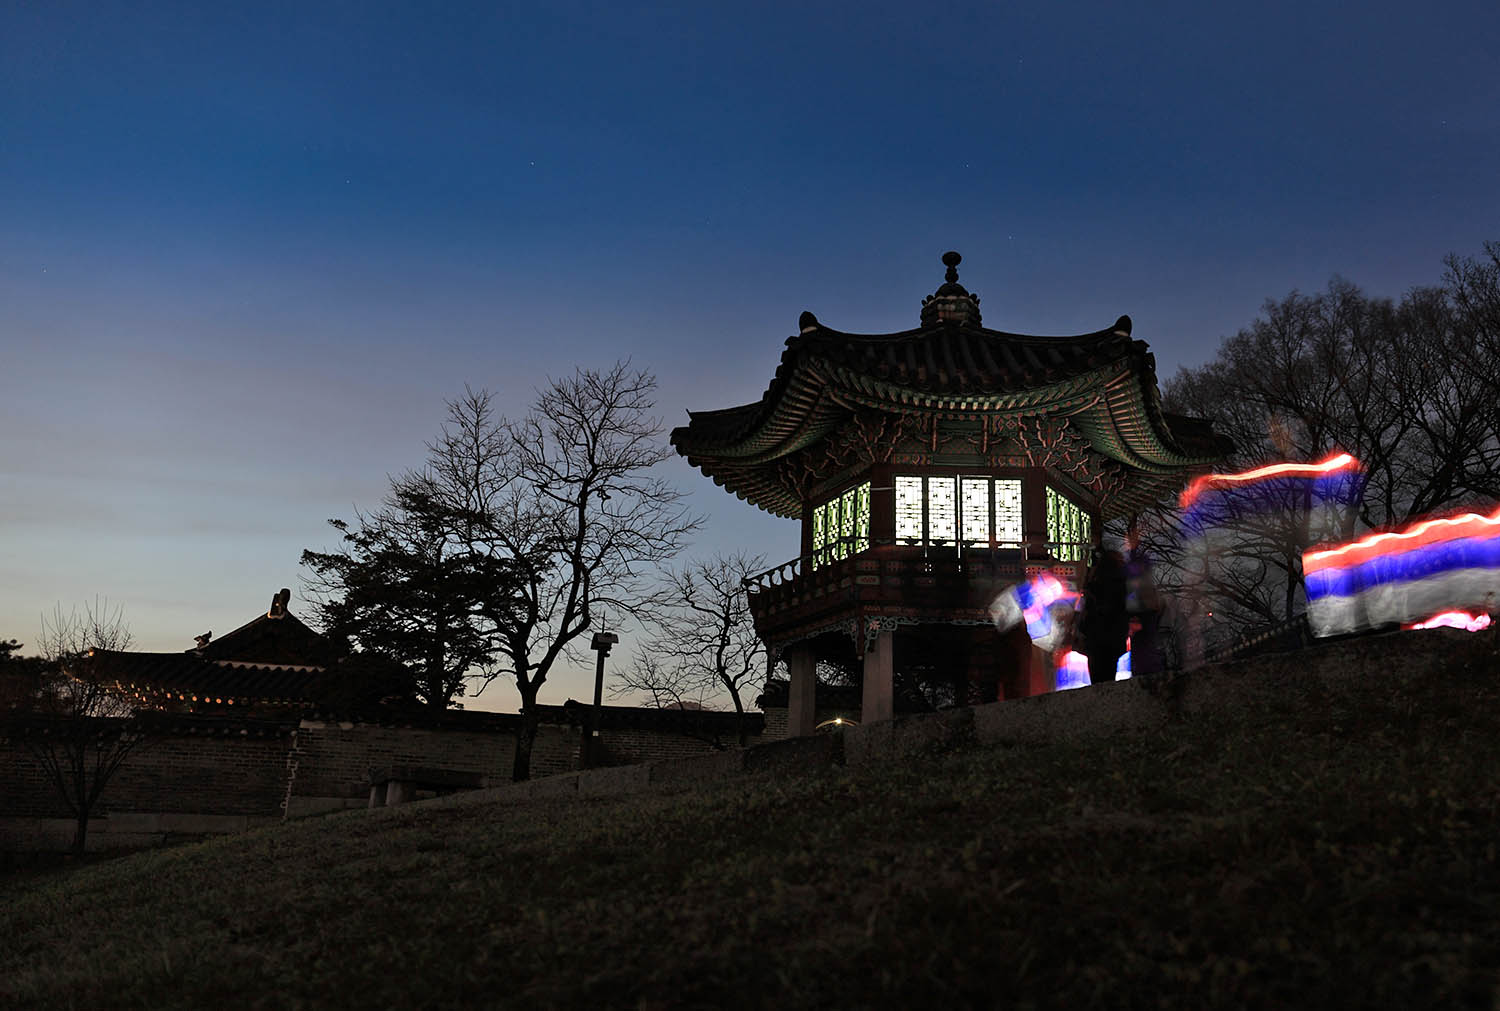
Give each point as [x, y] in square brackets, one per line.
[952, 302]
[952, 260]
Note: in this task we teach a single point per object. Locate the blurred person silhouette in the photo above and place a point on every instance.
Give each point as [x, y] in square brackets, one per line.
[1104, 625]
[1143, 607]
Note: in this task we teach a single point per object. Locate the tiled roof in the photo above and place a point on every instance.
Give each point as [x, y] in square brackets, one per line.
[421, 717]
[1104, 381]
[189, 678]
[164, 724]
[284, 639]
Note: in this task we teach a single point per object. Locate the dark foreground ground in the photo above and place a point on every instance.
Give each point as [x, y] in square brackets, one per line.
[1305, 845]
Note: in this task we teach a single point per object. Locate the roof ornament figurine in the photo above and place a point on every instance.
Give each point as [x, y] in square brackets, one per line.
[202, 640]
[952, 302]
[278, 604]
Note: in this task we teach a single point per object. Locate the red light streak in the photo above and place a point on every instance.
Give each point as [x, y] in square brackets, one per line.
[1418, 535]
[1201, 484]
[1455, 619]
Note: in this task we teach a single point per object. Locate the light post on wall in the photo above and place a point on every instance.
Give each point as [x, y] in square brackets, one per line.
[601, 643]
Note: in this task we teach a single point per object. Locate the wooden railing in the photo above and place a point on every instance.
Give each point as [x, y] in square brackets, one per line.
[839, 559]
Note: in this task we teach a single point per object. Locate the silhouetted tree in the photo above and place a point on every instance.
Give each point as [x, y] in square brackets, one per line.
[703, 644]
[76, 726]
[1410, 388]
[407, 588]
[495, 558]
[564, 498]
[22, 678]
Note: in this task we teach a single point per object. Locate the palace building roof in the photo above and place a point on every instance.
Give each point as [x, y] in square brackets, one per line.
[160, 678]
[949, 372]
[273, 660]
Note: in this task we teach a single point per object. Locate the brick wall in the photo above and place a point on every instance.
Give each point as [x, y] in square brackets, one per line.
[776, 719]
[225, 770]
[333, 760]
[220, 774]
[629, 746]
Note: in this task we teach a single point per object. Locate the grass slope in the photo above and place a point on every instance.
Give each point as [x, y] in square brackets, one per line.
[1303, 847]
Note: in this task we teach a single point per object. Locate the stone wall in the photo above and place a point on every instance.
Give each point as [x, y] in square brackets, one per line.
[205, 775]
[173, 785]
[776, 718]
[330, 762]
[632, 745]
[229, 774]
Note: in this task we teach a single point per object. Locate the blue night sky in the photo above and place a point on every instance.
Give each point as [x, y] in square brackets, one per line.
[246, 252]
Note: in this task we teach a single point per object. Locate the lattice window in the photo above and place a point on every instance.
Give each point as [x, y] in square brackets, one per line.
[1069, 528]
[862, 517]
[942, 511]
[1008, 511]
[847, 520]
[974, 510]
[841, 526]
[909, 526]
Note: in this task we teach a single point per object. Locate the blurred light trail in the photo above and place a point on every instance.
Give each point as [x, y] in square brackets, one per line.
[1455, 619]
[1073, 669]
[1343, 462]
[1404, 576]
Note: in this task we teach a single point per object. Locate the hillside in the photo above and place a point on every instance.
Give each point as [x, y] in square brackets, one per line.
[1310, 831]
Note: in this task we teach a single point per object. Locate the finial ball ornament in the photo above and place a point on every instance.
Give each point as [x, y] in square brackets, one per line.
[951, 260]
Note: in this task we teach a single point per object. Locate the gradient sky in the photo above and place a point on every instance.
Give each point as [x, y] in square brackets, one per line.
[247, 251]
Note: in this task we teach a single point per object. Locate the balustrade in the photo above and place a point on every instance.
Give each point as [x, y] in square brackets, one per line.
[910, 571]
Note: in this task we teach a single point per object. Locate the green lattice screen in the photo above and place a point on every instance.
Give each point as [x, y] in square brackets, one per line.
[1069, 528]
[841, 526]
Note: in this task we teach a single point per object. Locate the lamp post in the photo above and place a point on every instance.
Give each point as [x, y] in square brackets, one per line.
[601, 643]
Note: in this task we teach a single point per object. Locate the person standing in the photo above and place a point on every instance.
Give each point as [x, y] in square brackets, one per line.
[1143, 606]
[1104, 624]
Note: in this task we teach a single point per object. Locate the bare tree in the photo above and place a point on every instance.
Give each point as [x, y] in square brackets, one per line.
[1472, 287]
[1409, 388]
[704, 644]
[80, 729]
[564, 498]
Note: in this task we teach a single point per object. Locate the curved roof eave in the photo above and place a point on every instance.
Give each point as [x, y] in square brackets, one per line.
[770, 427]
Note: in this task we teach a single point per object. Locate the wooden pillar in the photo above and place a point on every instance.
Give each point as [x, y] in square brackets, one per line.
[879, 696]
[802, 696]
[882, 505]
[1034, 510]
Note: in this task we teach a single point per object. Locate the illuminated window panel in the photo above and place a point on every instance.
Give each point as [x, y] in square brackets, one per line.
[1008, 511]
[1069, 528]
[974, 510]
[862, 517]
[909, 509]
[841, 526]
[942, 512]
[847, 521]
